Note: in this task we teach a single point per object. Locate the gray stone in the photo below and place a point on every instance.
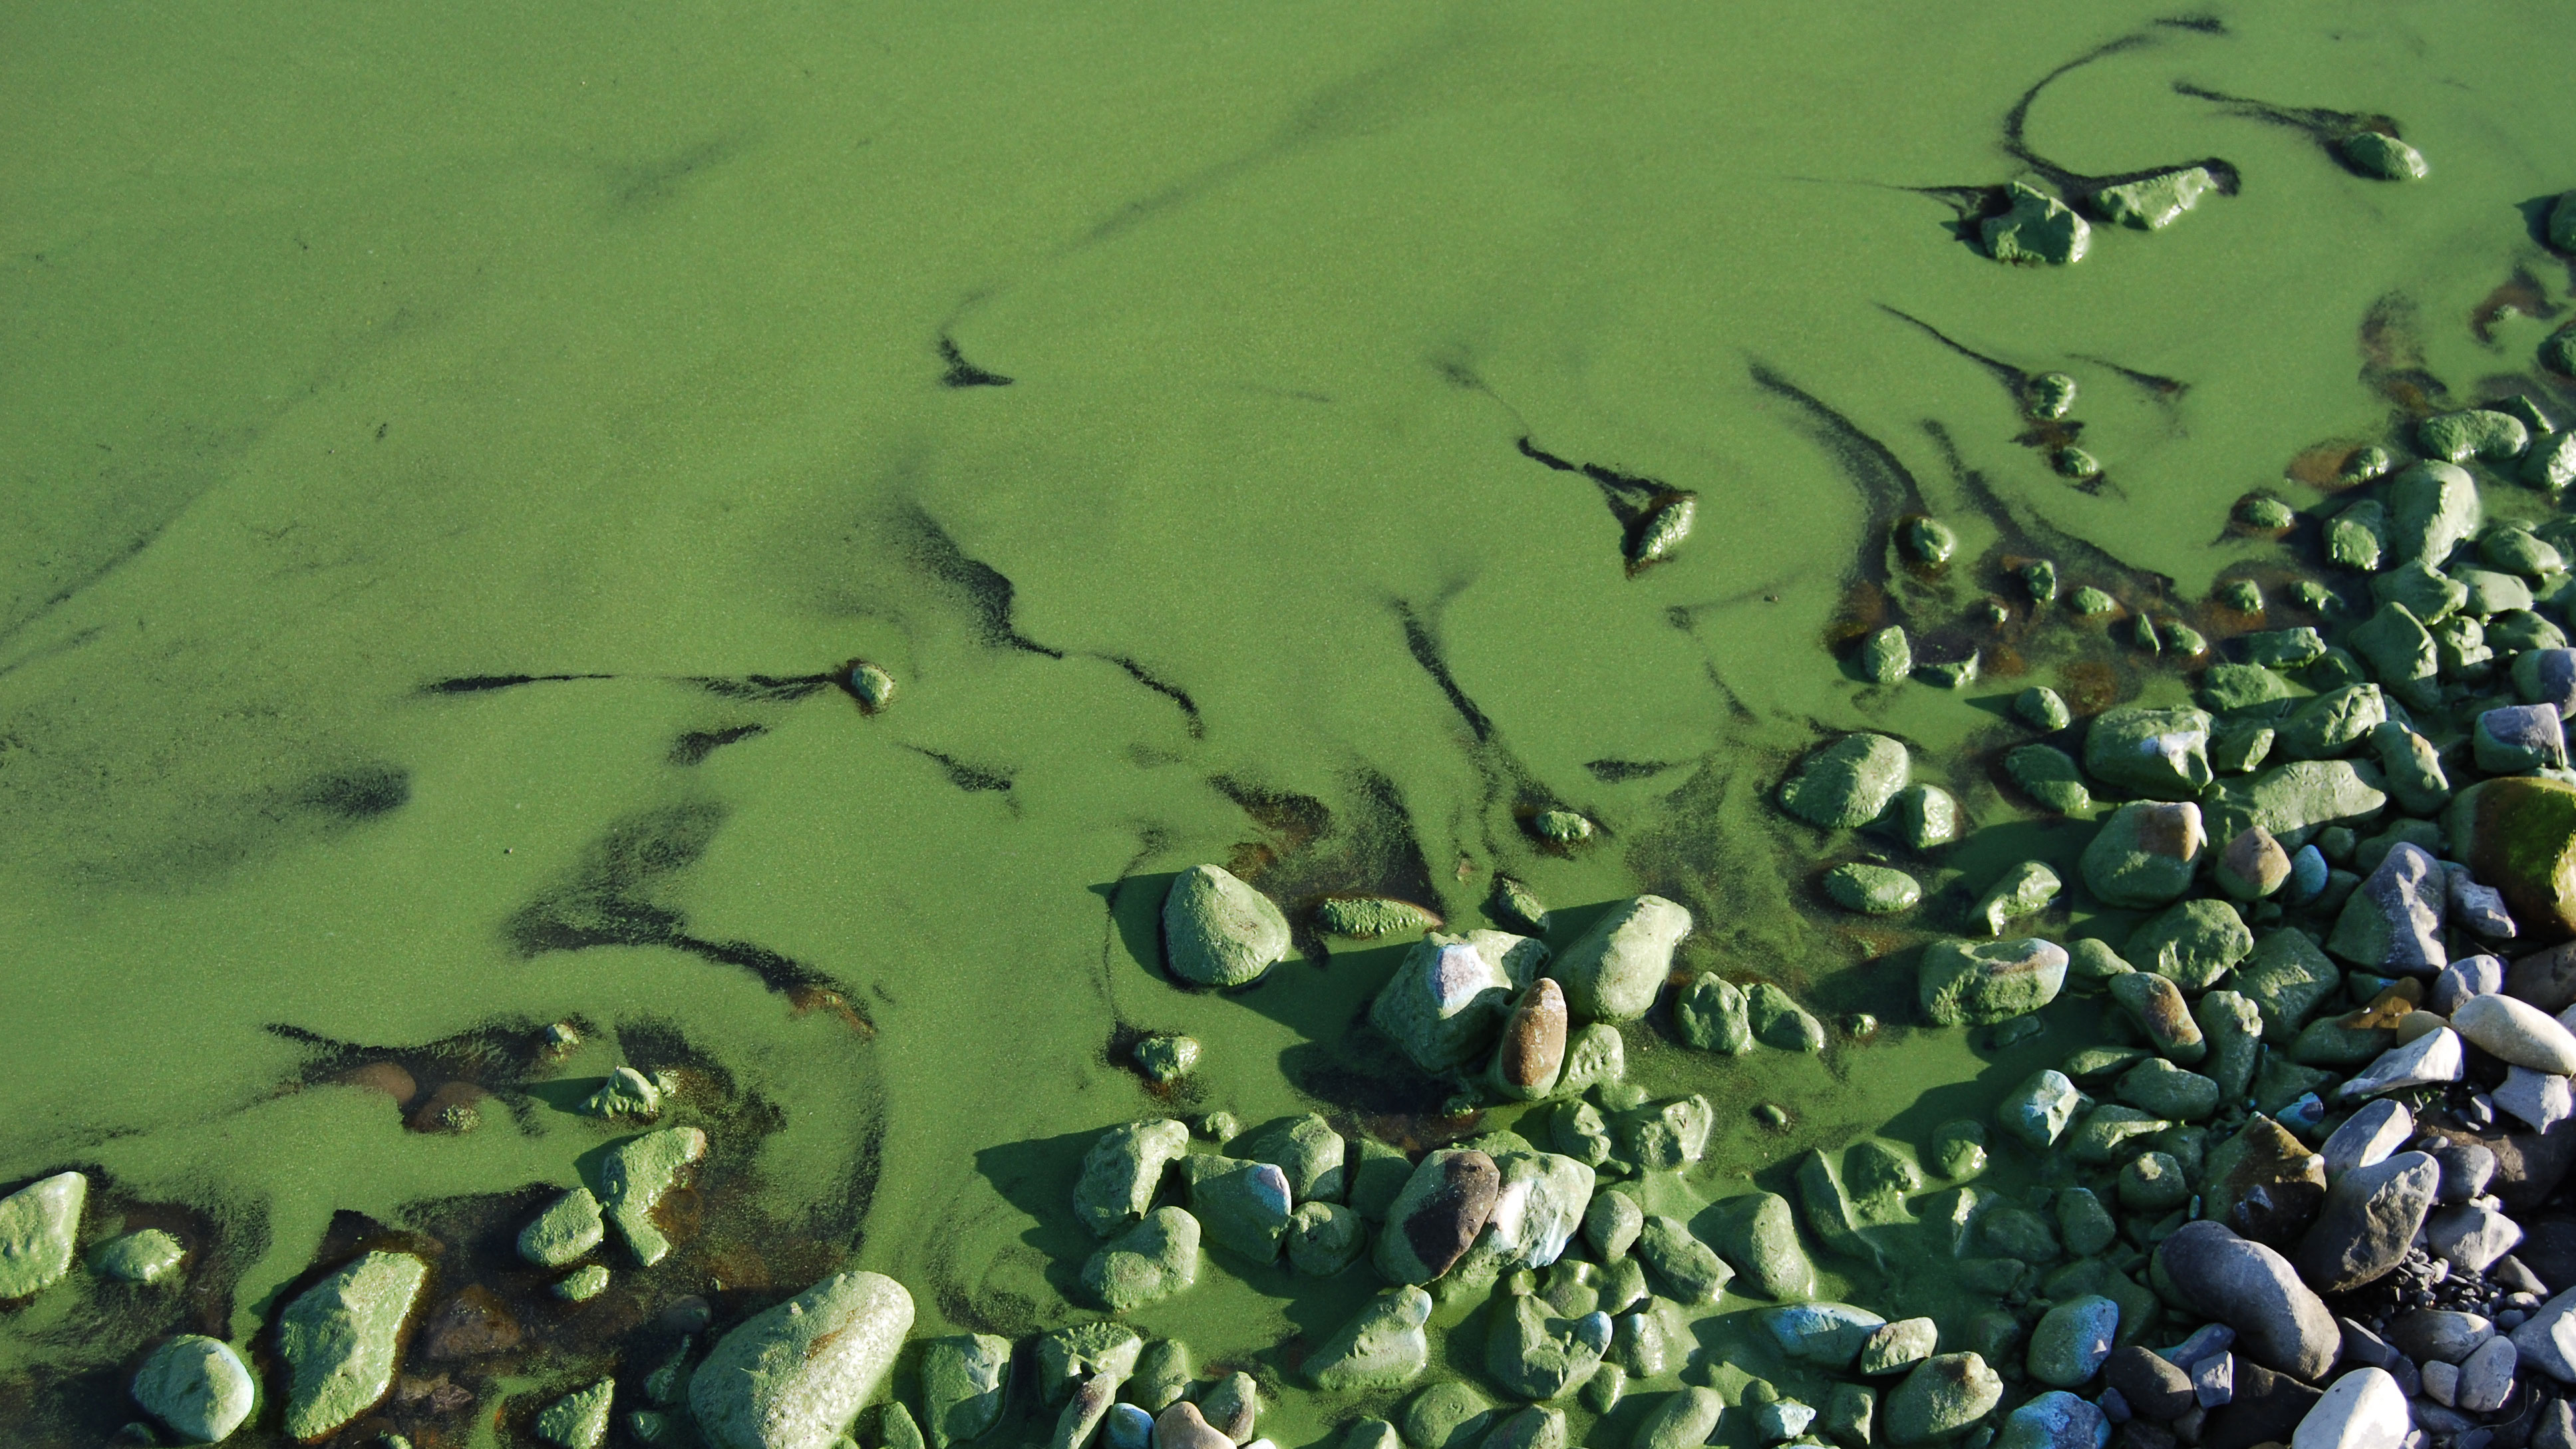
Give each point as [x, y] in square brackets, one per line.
[2428, 1059]
[1615, 971]
[2363, 1409]
[2071, 1341]
[2280, 1322]
[2156, 1004]
[2486, 1376]
[2055, 1420]
[2470, 1237]
[197, 1387]
[1827, 1334]
[2370, 1216]
[1899, 1345]
[2516, 1032]
[1218, 931]
[2520, 738]
[2367, 1138]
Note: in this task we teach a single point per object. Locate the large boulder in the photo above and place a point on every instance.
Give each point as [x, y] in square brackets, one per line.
[1615, 970]
[2518, 834]
[1218, 931]
[2279, 1321]
[793, 1376]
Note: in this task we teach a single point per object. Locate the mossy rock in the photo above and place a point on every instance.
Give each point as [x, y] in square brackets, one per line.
[2518, 834]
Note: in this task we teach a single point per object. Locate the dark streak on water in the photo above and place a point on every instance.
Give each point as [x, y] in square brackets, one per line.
[970, 778]
[962, 373]
[694, 747]
[982, 588]
[1173, 692]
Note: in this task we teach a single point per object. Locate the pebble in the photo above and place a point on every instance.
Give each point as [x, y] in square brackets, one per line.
[2363, 1409]
[2072, 1340]
[1930, 814]
[38, 1223]
[1965, 983]
[1830, 1334]
[197, 1387]
[2369, 1220]
[1779, 1021]
[2279, 1321]
[1758, 1234]
[1898, 1345]
[2043, 709]
[1886, 657]
[1243, 1206]
[2547, 1339]
[2192, 944]
[2395, 920]
[2517, 739]
[2516, 1032]
[1383, 1346]
[1848, 783]
[1683, 1420]
[1166, 1058]
[1181, 1426]
[1614, 972]
[1218, 931]
[2470, 1237]
[1127, 1426]
[2152, 1386]
[339, 1340]
[1941, 1396]
[1531, 1054]
[2486, 1376]
[2158, 1008]
[582, 1284]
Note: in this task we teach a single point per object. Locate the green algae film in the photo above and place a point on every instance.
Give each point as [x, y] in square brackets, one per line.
[355, 354]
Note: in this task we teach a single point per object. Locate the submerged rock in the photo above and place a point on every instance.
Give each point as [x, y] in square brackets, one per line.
[795, 1375]
[1368, 917]
[2385, 158]
[1218, 931]
[138, 1257]
[197, 1387]
[2037, 228]
[578, 1420]
[339, 1339]
[38, 1224]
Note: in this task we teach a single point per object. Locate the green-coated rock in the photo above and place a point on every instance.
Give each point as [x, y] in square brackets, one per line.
[1368, 917]
[1690, 1268]
[2162, 754]
[2550, 465]
[2048, 775]
[1515, 905]
[578, 1420]
[1664, 1134]
[197, 1387]
[2047, 396]
[1943, 1395]
[139, 1257]
[2092, 962]
[1758, 1235]
[2432, 509]
[2158, 1086]
[2399, 651]
[2562, 222]
[2091, 603]
[1886, 656]
[1872, 890]
[2411, 769]
[2158, 1008]
[2357, 537]
[1323, 1238]
[1930, 816]
[1122, 1171]
[2145, 854]
[2039, 576]
[2112, 1133]
[2042, 708]
[1779, 1021]
[1848, 783]
[1926, 541]
[2039, 1109]
[1561, 827]
[1535, 1354]
[793, 1376]
[1446, 1415]
[2333, 723]
[1593, 1055]
[1166, 1058]
[1148, 1263]
[1615, 970]
[2485, 593]
[634, 1177]
[2239, 746]
[1241, 1205]
[2512, 546]
[1218, 931]
[2191, 944]
[626, 1093]
[1683, 1420]
[2489, 436]
[569, 1227]
[2155, 202]
[581, 1284]
[2558, 351]
[2037, 228]
[1959, 1148]
[2025, 889]
[340, 1339]
[1449, 995]
[2383, 157]
[2287, 979]
[1712, 1015]
[1970, 983]
[1067, 1358]
[2242, 686]
[1383, 1346]
[964, 1381]
[1307, 1149]
[1164, 1374]
[38, 1224]
[2292, 800]
[2232, 1025]
[2518, 835]
[2428, 594]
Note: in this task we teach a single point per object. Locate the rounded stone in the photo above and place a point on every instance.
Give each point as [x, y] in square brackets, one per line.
[1218, 931]
[2071, 1340]
[138, 1257]
[1533, 1046]
[1872, 890]
[197, 1387]
[1433, 1222]
[1615, 970]
[2385, 158]
[1848, 783]
[794, 1375]
[1944, 1394]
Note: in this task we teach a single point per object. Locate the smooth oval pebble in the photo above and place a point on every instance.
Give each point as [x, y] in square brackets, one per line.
[2516, 1032]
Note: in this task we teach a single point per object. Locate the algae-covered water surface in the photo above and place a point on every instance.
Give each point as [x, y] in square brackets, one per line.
[673, 603]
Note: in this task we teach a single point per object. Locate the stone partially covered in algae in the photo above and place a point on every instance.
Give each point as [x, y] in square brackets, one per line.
[794, 1376]
[1218, 931]
[340, 1338]
[2153, 203]
[37, 1225]
[2037, 228]
[635, 1176]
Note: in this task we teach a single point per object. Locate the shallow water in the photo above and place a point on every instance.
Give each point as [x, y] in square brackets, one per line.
[1167, 400]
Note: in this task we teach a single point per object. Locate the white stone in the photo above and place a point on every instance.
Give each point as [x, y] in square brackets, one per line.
[2548, 1338]
[2362, 1410]
[2470, 1237]
[2542, 1099]
[2367, 1136]
[2486, 1379]
[2517, 1032]
[2423, 1062]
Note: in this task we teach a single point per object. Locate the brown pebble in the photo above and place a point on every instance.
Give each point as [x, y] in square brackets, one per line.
[2171, 830]
[1533, 1048]
[2253, 866]
[473, 1323]
[1446, 1224]
[386, 1077]
[1182, 1427]
[2389, 1007]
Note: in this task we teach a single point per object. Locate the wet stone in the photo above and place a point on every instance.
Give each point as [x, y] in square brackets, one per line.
[1827, 1334]
[1446, 1415]
[1561, 827]
[1148, 1263]
[2493, 437]
[1926, 541]
[2037, 228]
[578, 1420]
[139, 1257]
[1758, 1235]
[1240, 1205]
[1534, 1354]
[1368, 917]
[2048, 775]
[38, 1224]
[2520, 738]
[2158, 753]
[2024, 889]
[1711, 1014]
[569, 1227]
[2191, 944]
[2145, 854]
[1516, 906]
[2395, 920]
[197, 1387]
[2073, 462]
[2383, 157]
[1615, 971]
[2155, 202]
[1872, 890]
[1167, 1059]
[1444, 1205]
[2357, 537]
[2266, 514]
[2423, 591]
[1895, 1346]
[2042, 708]
[1218, 931]
[338, 1339]
[2550, 465]
[1848, 783]
[2039, 1110]
[1886, 657]
[2039, 580]
[1975, 983]
[582, 1284]
[1306, 1150]
[635, 1176]
[1943, 1395]
[1123, 1170]
[1445, 1002]
[1780, 1022]
[2433, 508]
[1931, 817]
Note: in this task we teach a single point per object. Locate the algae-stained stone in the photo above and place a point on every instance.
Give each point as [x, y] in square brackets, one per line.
[2411, 769]
[1446, 1415]
[2043, 709]
[1307, 1149]
[1166, 1058]
[1444, 1003]
[1383, 1346]
[2238, 746]
[2383, 157]
[2232, 1026]
[1943, 1395]
[2024, 889]
[2333, 723]
[2433, 508]
[1367, 917]
[1688, 1266]
[1926, 541]
[1848, 783]
[138, 1257]
[1959, 1148]
[2155, 202]
[38, 1224]
[2428, 594]
[626, 1093]
[1594, 1055]
[1779, 1021]
[578, 1420]
[2162, 754]
[1886, 657]
[2292, 800]
[2038, 1110]
[2512, 546]
[2517, 739]
[1930, 816]
[2279, 649]
[569, 1227]
[2486, 593]
[1711, 1015]
[1535, 1354]
[1122, 1171]
[1445, 1204]
[1971, 983]
[2145, 853]
[1242, 1205]
[2048, 775]
[2518, 835]
[197, 1387]
[2550, 465]
[2357, 537]
[1218, 931]
[2192, 944]
[1666, 1134]
[340, 1337]
[1614, 972]
[635, 1176]
[2480, 433]
[2394, 921]
[1758, 1235]
[2264, 1184]
[581, 1285]
[963, 1383]
[795, 1375]
[1146, 1264]
[1872, 890]
[2158, 1086]
[1070, 1357]
[2037, 228]
[1324, 1238]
